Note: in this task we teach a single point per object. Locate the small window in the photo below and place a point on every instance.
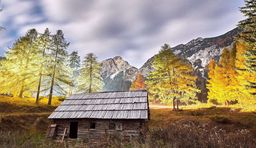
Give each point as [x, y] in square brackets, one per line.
[119, 126]
[112, 126]
[92, 125]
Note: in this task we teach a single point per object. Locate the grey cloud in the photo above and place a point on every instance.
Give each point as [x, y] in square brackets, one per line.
[132, 29]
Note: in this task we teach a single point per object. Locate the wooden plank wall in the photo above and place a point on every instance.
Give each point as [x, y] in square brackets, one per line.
[130, 128]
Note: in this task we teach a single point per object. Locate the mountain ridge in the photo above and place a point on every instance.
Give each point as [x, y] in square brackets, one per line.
[118, 74]
[196, 50]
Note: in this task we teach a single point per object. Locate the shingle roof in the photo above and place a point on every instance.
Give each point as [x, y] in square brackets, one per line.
[104, 105]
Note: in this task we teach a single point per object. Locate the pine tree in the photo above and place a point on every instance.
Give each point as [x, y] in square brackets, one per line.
[172, 78]
[74, 60]
[74, 64]
[138, 83]
[248, 25]
[60, 74]
[248, 36]
[19, 68]
[90, 79]
[43, 43]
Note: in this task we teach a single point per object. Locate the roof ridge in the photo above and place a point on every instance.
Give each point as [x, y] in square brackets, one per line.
[143, 90]
[105, 98]
[99, 110]
[103, 103]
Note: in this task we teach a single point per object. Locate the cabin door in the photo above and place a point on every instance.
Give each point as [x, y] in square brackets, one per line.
[73, 129]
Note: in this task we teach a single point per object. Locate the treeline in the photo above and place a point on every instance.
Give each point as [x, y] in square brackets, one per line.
[233, 79]
[39, 65]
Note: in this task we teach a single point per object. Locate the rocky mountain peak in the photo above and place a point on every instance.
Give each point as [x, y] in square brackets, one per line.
[117, 73]
[118, 58]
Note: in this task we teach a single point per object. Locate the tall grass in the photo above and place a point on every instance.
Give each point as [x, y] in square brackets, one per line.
[179, 134]
[23, 139]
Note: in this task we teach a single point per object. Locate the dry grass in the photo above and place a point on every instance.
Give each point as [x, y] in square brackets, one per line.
[25, 124]
[211, 115]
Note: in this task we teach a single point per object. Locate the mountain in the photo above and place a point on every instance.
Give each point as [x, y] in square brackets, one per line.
[199, 52]
[117, 74]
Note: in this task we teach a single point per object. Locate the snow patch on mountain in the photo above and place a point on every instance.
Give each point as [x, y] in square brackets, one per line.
[114, 75]
[117, 74]
[206, 55]
[177, 51]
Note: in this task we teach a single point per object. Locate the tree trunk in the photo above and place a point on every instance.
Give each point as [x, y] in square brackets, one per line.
[90, 85]
[177, 103]
[39, 82]
[53, 77]
[21, 91]
[51, 89]
[173, 104]
[38, 89]
[23, 80]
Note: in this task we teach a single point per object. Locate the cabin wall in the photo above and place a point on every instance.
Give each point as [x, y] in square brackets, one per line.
[129, 128]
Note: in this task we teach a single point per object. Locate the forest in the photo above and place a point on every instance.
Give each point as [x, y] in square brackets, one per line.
[38, 65]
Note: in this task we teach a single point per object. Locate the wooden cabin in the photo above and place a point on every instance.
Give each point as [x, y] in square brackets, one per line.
[96, 116]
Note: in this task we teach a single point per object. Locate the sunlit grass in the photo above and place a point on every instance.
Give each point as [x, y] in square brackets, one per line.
[197, 106]
[29, 101]
[245, 107]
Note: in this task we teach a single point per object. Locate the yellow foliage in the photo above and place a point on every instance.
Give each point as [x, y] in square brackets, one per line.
[228, 80]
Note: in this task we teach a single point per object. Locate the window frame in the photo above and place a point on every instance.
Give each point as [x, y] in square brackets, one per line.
[92, 125]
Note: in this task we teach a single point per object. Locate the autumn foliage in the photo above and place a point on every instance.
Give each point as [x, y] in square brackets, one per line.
[138, 83]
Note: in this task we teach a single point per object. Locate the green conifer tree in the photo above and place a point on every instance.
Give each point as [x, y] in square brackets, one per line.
[43, 43]
[90, 79]
[60, 72]
[74, 64]
[248, 37]
[172, 78]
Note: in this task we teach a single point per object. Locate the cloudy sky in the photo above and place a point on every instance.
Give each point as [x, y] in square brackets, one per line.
[133, 29]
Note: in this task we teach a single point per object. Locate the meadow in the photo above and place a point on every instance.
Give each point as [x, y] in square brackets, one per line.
[24, 124]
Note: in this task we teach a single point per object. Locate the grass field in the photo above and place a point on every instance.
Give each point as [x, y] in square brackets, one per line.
[23, 124]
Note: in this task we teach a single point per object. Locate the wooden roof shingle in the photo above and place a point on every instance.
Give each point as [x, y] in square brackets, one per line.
[104, 105]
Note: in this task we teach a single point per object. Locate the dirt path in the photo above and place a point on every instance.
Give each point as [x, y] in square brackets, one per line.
[158, 106]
